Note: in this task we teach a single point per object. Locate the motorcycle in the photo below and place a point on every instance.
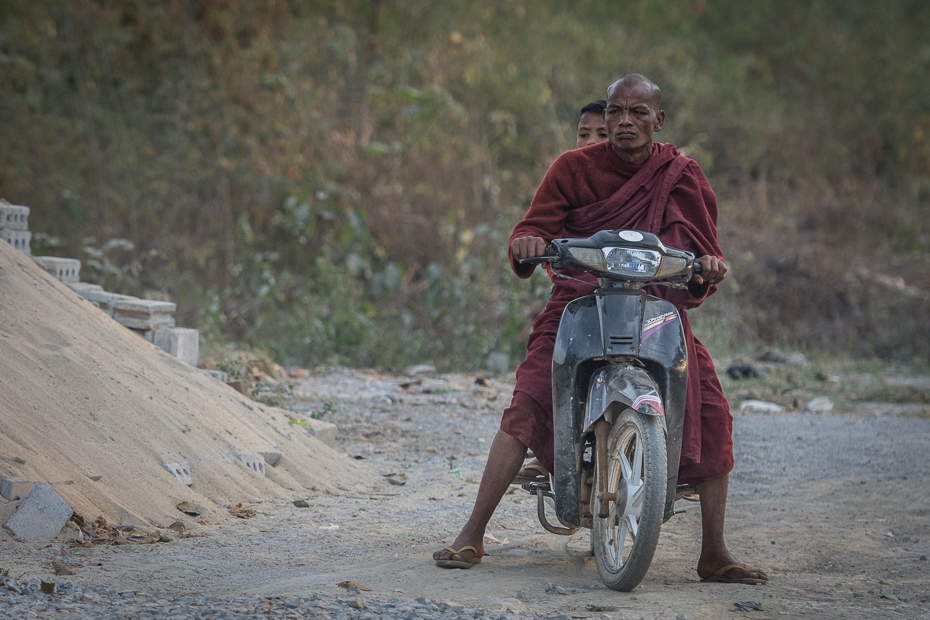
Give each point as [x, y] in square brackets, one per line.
[619, 382]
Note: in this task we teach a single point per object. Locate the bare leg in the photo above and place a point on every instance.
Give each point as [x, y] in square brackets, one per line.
[504, 461]
[714, 552]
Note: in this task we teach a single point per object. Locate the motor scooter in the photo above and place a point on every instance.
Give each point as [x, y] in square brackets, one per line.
[619, 382]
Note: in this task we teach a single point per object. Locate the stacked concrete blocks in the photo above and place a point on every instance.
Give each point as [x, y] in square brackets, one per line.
[144, 314]
[41, 514]
[14, 226]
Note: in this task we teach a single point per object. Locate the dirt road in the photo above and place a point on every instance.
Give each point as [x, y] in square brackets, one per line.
[835, 507]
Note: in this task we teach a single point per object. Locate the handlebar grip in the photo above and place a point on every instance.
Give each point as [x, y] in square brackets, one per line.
[696, 267]
[535, 260]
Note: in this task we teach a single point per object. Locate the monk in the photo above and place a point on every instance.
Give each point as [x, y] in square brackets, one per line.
[591, 129]
[628, 182]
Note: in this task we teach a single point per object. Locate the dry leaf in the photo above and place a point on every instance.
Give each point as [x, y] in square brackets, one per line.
[349, 584]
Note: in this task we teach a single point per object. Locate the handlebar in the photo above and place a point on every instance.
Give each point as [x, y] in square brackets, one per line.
[696, 267]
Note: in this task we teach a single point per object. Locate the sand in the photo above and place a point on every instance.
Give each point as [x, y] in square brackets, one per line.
[95, 410]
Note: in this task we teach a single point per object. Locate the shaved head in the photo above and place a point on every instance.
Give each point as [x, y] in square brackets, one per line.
[632, 116]
[632, 81]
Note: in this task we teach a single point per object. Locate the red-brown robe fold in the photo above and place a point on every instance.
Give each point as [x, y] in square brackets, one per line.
[591, 189]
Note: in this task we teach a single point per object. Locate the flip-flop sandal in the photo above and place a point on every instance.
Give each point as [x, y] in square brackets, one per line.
[460, 563]
[719, 576]
[541, 477]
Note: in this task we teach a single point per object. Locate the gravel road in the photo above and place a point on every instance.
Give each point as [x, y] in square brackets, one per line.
[835, 507]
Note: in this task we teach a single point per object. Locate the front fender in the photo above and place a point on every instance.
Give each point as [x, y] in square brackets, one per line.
[627, 385]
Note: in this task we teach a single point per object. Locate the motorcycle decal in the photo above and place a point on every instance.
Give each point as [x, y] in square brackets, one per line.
[650, 399]
[656, 323]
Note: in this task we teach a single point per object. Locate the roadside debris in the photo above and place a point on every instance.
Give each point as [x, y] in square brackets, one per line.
[747, 606]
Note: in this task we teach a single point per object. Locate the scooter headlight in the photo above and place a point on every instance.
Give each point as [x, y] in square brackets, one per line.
[619, 260]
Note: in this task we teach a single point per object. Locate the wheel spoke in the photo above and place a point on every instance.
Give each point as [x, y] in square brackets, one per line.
[637, 460]
[632, 524]
[626, 470]
[620, 542]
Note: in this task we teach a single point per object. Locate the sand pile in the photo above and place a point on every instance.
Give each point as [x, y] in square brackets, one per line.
[95, 410]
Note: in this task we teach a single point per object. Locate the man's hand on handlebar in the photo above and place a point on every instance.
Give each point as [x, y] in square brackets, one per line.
[713, 271]
[528, 247]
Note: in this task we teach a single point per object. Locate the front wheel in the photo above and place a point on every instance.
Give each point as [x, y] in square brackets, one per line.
[625, 541]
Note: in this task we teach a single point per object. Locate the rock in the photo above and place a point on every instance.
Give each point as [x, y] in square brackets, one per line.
[760, 406]
[746, 371]
[41, 514]
[821, 404]
[788, 359]
[421, 369]
[356, 603]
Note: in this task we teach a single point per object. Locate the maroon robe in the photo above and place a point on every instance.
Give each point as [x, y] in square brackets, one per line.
[591, 189]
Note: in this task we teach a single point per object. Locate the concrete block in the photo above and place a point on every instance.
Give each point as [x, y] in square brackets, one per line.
[13, 217]
[144, 313]
[146, 334]
[78, 287]
[15, 489]
[105, 300]
[41, 514]
[181, 342]
[181, 471]
[254, 462]
[271, 457]
[322, 430]
[68, 270]
[216, 374]
[18, 239]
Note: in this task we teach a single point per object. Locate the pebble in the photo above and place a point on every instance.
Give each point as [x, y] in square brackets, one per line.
[21, 598]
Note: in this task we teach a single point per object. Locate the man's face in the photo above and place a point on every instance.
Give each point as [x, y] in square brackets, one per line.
[591, 129]
[631, 117]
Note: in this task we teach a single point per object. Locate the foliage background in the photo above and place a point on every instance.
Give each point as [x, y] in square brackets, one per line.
[336, 181]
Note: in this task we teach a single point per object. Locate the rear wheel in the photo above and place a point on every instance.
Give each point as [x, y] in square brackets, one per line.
[625, 541]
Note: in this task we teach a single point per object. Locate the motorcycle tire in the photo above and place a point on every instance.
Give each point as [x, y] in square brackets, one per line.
[625, 542]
